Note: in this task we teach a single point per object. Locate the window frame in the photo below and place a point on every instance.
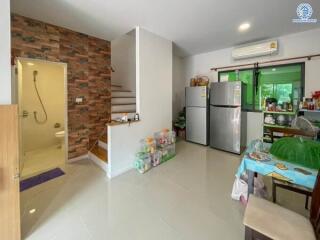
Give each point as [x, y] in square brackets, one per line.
[302, 64]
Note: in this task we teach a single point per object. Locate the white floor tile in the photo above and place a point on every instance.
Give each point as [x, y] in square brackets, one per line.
[185, 198]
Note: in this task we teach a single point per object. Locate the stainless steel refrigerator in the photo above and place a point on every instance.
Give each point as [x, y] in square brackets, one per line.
[227, 122]
[197, 102]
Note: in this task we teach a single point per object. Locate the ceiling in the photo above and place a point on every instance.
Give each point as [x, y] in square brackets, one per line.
[195, 26]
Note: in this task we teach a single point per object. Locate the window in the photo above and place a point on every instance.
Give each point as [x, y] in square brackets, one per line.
[283, 82]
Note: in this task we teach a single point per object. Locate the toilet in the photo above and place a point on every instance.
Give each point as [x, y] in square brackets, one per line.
[60, 136]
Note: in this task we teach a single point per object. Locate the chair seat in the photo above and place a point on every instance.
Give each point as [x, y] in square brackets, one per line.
[276, 222]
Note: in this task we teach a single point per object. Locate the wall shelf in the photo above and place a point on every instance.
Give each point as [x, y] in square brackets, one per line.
[267, 139]
[268, 129]
[284, 113]
[309, 111]
[276, 126]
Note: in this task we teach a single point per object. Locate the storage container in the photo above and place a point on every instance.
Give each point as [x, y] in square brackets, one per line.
[143, 162]
[148, 145]
[156, 158]
[168, 152]
[154, 151]
[165, 137]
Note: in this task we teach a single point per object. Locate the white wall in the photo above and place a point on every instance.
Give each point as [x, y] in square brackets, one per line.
[123, 61]
[154, 101]
[300, 44]
[154, 86]
[5, 65]
[50, 84]
[312, 76]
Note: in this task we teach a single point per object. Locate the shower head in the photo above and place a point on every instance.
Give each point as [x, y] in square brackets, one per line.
[35, 73]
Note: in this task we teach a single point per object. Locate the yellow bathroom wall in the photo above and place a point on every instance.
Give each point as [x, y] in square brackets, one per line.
[50, 83]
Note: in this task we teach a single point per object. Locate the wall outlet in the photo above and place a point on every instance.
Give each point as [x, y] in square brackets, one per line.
[79, 100]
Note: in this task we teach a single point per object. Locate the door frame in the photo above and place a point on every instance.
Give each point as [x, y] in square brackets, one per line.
[65, 86]
[10, 225]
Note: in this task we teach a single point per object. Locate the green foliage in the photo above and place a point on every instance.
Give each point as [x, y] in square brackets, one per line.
[180, 122]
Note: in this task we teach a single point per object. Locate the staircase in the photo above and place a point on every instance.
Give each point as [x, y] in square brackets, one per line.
[122, 101]
[98, 153]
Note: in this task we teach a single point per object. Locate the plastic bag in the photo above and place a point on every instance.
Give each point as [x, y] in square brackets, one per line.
[240, 188]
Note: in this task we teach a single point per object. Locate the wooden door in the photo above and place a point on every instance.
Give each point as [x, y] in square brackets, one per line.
[9, 174]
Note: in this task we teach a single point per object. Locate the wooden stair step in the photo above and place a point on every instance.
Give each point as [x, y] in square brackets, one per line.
[120, 90]
[120, 104]
[123, 97]
[100, 153]
[104, 138]
[123, 94]
[124, 112]
[125, 101]
[117, 116]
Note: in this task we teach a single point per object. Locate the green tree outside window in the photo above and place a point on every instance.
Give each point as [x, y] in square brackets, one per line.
[281, 82]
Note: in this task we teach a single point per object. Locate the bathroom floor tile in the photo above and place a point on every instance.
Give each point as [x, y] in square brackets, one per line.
[42, 160]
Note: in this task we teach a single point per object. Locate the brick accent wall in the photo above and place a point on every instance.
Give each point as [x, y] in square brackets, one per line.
[89, 74]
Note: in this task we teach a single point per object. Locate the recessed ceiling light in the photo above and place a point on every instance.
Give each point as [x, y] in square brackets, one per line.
[244, 27]
[30, 64]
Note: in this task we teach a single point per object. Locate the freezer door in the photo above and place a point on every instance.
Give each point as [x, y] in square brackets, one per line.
[196, 125]
[225, 128]
[225, 93]
[196, 96]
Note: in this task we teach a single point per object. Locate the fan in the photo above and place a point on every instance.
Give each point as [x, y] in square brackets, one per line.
[304, 124]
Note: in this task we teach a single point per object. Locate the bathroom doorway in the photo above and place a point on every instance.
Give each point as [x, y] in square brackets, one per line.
[40, 92]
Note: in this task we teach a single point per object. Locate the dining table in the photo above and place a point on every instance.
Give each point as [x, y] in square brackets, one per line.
[269, 165]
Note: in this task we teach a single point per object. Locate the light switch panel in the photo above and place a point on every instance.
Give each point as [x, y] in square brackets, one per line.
[79, 100]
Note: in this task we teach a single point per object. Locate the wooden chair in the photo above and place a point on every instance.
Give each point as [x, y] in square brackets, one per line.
[283, 184]
[291, 187]
[265, 220]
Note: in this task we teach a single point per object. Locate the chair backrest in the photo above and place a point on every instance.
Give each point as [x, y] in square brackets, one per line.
[315, 207]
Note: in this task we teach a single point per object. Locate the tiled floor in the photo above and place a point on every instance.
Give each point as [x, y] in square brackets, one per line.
[186, 198]
[41, 160]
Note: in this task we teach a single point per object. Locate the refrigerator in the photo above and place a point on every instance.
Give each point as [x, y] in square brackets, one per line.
[197, 109]
[227, 121]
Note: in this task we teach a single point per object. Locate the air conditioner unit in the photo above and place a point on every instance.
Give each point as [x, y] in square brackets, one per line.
[255, 50]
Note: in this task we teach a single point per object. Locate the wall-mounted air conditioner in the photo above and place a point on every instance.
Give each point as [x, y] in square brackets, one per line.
[255, 50]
